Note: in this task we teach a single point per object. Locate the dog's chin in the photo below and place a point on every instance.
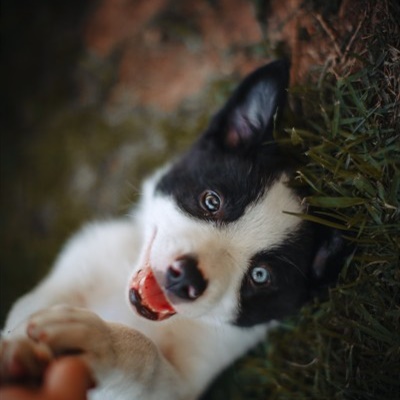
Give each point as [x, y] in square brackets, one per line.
[147, 297]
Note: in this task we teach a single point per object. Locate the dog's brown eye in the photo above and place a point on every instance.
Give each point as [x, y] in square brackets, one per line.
[261, 275]
[210, 201]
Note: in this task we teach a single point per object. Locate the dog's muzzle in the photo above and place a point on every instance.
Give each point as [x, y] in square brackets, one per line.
[183, 280]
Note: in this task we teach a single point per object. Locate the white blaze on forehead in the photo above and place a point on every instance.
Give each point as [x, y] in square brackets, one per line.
[265, 223]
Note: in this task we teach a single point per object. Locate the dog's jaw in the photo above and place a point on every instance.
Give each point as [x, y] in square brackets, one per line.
[148, 298]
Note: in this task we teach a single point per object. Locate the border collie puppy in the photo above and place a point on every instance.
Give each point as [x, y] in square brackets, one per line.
[160, 302]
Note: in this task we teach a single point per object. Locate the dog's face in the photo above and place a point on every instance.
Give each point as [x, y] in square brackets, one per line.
[219, 239]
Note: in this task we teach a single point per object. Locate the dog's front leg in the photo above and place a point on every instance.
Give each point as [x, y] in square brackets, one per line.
[124, 362]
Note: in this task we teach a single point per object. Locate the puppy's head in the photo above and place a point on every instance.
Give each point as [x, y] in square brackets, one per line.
[219, 242]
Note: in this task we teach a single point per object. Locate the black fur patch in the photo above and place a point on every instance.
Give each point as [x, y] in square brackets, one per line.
[291, 280]
[238, 179]
[298, 271]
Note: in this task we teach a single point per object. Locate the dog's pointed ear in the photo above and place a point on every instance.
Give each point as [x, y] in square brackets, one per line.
[248, 118]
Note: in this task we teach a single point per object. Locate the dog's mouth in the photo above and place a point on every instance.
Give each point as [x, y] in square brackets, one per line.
[146, 295]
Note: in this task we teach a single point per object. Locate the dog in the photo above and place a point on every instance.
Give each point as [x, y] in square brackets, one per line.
[160, 302]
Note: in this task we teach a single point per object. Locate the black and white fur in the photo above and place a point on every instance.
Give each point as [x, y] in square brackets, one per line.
[213, 229]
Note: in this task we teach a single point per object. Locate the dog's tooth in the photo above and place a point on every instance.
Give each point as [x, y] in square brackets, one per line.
[192, 292]
[140, 291]
[152, 309]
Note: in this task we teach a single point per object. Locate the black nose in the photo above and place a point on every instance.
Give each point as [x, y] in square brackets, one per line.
[184, 278]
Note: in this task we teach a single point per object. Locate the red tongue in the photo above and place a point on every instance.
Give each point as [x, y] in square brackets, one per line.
[151, 294]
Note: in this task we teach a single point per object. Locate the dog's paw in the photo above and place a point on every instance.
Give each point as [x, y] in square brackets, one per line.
[23, 360]
[70, 330]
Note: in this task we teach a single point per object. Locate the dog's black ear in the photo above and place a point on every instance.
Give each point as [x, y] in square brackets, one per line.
[248, 118]
[329, 258]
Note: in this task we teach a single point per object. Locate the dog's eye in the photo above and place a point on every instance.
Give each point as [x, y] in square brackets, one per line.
[210, 201]
[261, 275]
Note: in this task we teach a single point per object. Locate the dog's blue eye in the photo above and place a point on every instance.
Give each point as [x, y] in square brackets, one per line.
[261, 275]
[211, 201]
